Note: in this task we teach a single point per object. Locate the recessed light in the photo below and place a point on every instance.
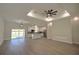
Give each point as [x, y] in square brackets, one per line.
[49, 19]
[30, 13]
[66, 14]
[76, 18]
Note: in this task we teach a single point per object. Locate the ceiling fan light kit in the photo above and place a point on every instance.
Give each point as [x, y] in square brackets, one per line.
[49, 14]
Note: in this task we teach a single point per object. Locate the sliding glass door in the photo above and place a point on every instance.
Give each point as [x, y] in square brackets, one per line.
[17, 34]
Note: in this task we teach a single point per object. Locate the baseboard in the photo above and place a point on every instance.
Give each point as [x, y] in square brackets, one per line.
[62, 39]
[76, 43]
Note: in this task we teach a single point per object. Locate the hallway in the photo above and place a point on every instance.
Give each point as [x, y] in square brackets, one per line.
[37, 47]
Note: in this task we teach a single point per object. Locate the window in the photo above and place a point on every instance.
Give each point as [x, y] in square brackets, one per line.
[17, 34]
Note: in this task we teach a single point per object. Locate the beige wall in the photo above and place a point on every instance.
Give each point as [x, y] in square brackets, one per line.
[75, 31]
[61, 30]
[1, 31]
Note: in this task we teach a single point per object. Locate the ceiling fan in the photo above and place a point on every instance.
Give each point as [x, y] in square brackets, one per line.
[51, 12]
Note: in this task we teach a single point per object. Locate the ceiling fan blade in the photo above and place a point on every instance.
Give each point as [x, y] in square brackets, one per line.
[54, 14]
[55, 11]
[51, 10]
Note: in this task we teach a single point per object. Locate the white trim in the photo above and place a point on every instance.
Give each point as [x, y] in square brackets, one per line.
[75, 42]
[62, 39]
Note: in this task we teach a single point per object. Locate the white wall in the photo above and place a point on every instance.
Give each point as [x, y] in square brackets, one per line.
[75, 31]
[12, 25]
[1, 31]
[61, 30]
[49, 30]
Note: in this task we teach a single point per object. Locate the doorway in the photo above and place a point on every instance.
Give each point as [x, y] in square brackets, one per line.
[17, 34]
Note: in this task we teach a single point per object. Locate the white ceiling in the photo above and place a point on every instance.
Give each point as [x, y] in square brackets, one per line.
[19, 11]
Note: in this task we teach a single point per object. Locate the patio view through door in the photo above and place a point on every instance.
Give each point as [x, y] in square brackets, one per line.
[17, 34]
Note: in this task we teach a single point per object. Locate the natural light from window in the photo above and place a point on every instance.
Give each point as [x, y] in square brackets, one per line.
[17, 34]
